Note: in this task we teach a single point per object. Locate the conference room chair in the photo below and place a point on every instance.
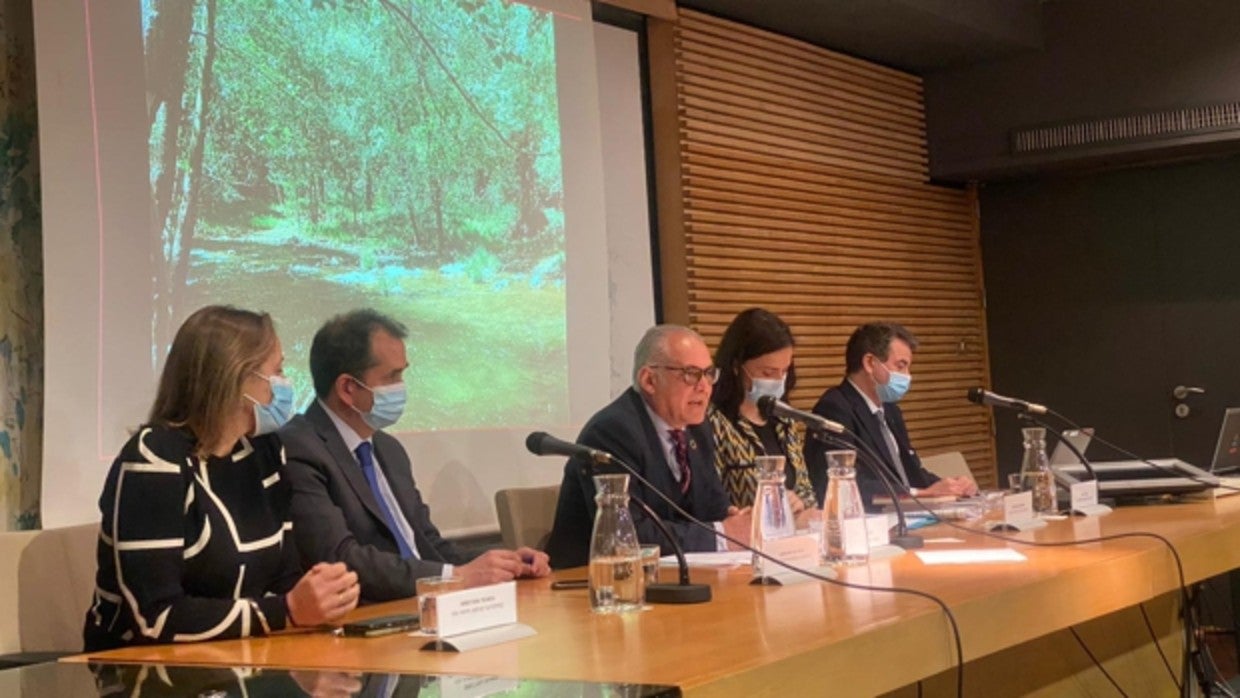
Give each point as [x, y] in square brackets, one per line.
[45, 594]
[950, 464]
[526, 515]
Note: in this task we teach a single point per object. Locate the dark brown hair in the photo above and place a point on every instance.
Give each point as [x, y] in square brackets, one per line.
[754, 332]
[874, 338]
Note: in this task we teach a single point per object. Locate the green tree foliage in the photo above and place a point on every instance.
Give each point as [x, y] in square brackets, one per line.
[421, 131]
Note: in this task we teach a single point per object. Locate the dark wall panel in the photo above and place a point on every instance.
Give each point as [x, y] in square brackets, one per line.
[1104, 291]
[1101, 58]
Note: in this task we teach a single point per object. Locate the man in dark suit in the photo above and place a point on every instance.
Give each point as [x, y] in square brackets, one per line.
[657, 427]
[878, 357]
[354, 497]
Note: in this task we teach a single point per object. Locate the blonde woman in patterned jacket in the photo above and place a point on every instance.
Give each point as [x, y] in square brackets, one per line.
[755, 359]
[196, 540]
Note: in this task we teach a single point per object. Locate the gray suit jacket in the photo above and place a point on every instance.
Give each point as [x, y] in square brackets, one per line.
[336, 517]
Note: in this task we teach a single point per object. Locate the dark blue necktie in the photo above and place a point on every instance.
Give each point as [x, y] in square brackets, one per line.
[367, 460]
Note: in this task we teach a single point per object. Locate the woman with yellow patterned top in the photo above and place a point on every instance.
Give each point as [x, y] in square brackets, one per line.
[755, 359]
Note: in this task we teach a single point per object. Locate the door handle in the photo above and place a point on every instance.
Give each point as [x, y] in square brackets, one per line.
[1183, 391]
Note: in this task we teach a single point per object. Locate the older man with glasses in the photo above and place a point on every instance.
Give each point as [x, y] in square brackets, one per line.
[656, 426]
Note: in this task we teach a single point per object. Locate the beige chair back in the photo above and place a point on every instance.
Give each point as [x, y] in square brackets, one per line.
[55, 586]
[12, 546]
[526, 515]
[951, 464]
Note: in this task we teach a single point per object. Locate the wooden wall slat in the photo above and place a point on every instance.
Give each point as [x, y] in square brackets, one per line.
[854, 102]
[790, 150]
[705, 93]
[822, 139]
[762, 164]
[726, 187]
[698, 24]
[736, 216]
[801, 184]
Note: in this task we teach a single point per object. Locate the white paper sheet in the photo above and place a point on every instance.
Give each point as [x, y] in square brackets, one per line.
[966, 556]
[725, 559]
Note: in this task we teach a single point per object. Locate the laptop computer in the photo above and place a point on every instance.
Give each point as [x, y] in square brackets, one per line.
[1134, 479]
[1063, 455]
[1227, 451]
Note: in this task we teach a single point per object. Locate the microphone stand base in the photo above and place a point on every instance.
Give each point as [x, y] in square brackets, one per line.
[908, 542]
[677, 593]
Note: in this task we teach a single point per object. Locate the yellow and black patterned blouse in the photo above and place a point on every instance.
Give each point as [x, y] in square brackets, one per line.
[737, 444]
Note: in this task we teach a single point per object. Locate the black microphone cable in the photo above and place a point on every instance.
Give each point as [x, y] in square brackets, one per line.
[1145, 616]
[1129, 454]
[1179, 565]
[1185, 606]
[1092, 658]
[1158, 645]
[889, 479]
[1192, 630]
[951, 618]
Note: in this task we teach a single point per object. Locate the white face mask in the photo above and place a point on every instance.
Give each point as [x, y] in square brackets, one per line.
[896, 386]
[275, 414]
[389, 405]
[762, 387]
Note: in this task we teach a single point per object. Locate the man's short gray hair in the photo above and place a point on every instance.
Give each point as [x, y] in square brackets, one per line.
[652, 349]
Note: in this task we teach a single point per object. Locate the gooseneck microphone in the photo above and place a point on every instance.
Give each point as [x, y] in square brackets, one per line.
[903, 538]
[540, 443]
[684, 568]
[982, 396]
[769, 407]
[1066, 442]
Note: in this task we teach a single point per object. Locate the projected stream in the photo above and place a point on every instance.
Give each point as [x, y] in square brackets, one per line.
[312, 156]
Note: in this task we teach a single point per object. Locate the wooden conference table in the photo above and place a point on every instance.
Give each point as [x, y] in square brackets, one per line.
[812, 638]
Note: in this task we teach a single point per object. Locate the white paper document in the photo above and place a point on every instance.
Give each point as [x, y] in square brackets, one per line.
[966, 556]
[726, 559]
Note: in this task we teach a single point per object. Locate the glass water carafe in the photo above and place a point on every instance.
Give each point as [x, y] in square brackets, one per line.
[616, 582]
[844, 517]
[1035, 471]
[772, 515]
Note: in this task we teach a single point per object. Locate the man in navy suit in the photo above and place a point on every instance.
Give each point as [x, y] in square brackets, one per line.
[878, 358]
[656, 426]
[354, 497]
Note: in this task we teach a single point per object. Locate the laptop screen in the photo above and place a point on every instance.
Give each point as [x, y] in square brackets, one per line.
[1227, 452]
[1062, 455]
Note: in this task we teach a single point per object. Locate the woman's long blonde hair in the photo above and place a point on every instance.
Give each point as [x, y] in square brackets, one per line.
[213, 352]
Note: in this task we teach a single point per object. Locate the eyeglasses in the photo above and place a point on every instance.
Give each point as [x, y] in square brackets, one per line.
[692, 375]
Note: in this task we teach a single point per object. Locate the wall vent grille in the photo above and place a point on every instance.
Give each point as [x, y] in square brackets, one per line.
[1163, 124]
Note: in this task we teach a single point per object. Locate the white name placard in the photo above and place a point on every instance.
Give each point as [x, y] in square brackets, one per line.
[878, 529]
[1085, 499]
[1018, 507]
[1018, 513]
[856, 540]
[799, 551]
[477, 609]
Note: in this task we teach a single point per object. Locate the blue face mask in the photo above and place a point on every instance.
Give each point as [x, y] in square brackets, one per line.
[275, 414]
[388, 407]
[762, 387]
[896, 386]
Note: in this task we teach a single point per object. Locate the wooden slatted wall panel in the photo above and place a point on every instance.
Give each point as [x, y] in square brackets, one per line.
[802, 184]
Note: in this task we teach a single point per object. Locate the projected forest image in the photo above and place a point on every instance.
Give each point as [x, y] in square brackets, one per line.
[308, 157]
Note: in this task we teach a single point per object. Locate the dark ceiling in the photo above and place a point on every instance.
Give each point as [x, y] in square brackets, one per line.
[918, 36]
